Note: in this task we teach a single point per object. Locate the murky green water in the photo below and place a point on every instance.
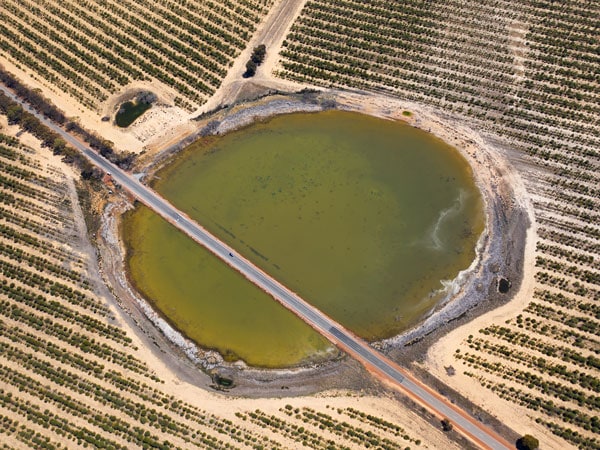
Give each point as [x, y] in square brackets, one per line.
[129, 112]
[362, 217]
[209, 302]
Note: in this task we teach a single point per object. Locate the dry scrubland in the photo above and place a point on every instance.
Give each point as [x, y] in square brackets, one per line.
[526, 75]
[91, 50]
[72, 376]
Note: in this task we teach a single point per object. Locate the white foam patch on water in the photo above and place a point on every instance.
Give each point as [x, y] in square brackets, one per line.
[452, 287]
[446, 310]
[448, 213]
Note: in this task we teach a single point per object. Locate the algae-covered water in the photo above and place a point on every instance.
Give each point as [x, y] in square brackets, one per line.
[129, 112]
[363, 217]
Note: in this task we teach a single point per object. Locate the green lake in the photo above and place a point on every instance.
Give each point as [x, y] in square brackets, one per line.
[361, 216]
[129, 112]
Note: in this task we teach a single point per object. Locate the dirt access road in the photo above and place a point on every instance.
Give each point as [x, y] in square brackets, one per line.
[271, 32]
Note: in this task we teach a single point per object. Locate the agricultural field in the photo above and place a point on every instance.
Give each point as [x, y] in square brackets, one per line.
[73, 375]
[92, 50]
[525, 75]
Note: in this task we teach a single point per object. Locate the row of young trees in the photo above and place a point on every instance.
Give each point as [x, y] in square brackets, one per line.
[61, 358]
[305, 424]
[16, 115]
[75, 375]
[437, 64]
[91, 51]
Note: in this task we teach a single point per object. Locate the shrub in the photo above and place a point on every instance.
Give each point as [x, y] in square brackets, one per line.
[447, 425]
[528, 442]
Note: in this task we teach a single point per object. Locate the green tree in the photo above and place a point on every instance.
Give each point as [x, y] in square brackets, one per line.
[250, 69]
[258, 54]
[14, 114]
[29, 123]
[58, 146]
[528, 442]
[447, 425]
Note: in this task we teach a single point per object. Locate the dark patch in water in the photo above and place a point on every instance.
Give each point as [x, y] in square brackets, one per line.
[129, 112]
[225, 230]
[257, 253]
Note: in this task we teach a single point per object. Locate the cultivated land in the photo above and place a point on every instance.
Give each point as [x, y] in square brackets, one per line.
[105, 52]
[514, 81]
[376, 363]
